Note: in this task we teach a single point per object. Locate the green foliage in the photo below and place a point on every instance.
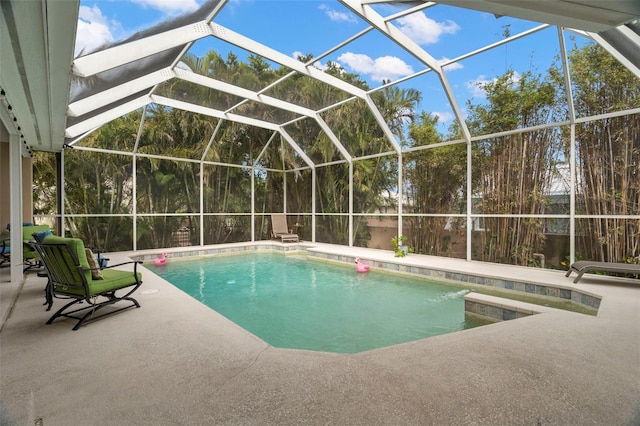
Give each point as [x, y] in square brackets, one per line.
[399, 246]
[435, 181]
[510, 173]
[168, 190]
[608, 155]
[44, 183]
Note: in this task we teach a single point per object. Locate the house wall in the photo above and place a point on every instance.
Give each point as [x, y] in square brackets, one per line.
[382, 231]
[556, 247]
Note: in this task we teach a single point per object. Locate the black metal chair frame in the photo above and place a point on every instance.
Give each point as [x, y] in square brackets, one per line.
[64, 277]
[5, 256]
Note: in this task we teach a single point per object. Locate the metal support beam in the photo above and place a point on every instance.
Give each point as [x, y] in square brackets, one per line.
[351, 204]
[572, 196]
[112, 57]
[201, 195]
[253, 204]
[15, 200]
[400, 193]
[469, 226]
[60, 192]
[313, 205]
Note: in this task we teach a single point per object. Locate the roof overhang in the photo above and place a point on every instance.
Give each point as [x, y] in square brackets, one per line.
[588, 15]
[37, 40]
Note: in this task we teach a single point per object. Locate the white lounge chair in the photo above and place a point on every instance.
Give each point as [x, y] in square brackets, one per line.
[584, 266]
[280, 230]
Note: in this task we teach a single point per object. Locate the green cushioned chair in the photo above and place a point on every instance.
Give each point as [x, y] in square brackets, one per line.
[30, 255]
[5, 248]
[70, 276]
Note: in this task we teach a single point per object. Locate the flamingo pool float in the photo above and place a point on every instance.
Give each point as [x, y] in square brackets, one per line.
[161, 260]
[361, 267]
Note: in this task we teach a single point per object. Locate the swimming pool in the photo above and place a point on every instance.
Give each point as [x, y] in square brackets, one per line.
[292, 302]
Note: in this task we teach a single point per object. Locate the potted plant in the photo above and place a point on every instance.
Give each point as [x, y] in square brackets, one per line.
[400, 249]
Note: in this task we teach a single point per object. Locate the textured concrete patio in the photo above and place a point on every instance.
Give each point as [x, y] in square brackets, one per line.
[175, 361]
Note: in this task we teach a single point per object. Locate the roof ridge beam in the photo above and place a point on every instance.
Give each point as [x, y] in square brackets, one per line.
[100, 119]
[241, 92]
[253, 46]
[121, 54]
[615, 53]
[107, 96]
[161, 100]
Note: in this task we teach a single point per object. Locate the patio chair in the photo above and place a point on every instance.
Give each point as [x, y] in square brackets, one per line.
[583, 266]
[30, 255]
[5, 250]
[71, 276]
[280, 230]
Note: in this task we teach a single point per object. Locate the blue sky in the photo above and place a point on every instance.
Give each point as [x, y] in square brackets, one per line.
[313, 26]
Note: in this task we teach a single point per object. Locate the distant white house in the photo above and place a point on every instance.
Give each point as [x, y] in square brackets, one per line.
[384, 227]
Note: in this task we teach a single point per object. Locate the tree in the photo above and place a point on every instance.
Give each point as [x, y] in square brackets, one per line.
[99, 183]
[608, 156]
[434, 184]
[513, 171]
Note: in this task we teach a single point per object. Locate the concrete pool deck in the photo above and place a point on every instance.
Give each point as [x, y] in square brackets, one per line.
[175, 361]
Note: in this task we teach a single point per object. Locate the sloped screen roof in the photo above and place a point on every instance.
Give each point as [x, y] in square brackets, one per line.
[386, 44]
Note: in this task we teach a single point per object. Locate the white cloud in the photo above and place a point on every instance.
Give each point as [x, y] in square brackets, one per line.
[169, 6]
[336, 15]
[476, 87]
[382, 68]
[451, 67]
[515, 77]
[319, 65]
[93, 30]
[443, 117]
[425, 30]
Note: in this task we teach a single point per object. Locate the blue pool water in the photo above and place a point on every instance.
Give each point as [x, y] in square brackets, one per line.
[303, 304]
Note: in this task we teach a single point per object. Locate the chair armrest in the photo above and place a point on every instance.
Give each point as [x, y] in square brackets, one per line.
[135, 265]
[124, 263]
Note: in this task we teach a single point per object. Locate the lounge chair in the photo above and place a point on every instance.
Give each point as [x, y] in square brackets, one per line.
[280, 230]
[584, 266]
[74, 275]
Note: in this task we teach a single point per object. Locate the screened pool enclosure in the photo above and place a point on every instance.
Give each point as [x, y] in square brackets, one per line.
[495, 131]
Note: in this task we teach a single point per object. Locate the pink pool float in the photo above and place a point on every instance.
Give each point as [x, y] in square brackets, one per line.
[161, 260]
[361, 267]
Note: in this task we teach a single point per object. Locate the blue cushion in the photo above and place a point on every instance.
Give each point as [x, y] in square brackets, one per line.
[40, 236]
